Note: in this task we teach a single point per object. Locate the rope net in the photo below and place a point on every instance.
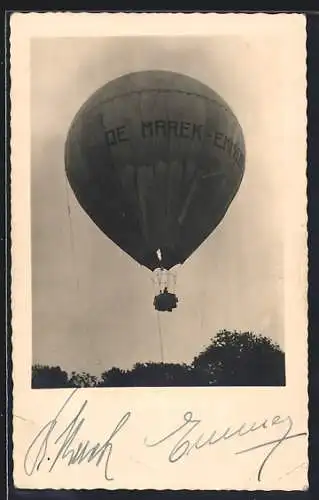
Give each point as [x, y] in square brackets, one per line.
[164, 279]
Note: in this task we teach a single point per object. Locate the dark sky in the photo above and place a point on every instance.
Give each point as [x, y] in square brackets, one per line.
[233, 281]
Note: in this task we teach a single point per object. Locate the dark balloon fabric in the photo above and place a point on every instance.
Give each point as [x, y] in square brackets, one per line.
[155, 159]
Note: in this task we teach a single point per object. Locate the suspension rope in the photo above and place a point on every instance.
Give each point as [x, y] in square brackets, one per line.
[73, 250]
[160, 335]
[157, 283]
[71, 232]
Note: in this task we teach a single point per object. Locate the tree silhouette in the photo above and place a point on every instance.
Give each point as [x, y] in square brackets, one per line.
[160, 374]
[240, 358]
[82, 379]
[115, 377]
[47, 377]
[231, 359]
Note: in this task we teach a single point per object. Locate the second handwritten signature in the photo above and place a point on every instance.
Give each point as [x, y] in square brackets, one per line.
[187, 437]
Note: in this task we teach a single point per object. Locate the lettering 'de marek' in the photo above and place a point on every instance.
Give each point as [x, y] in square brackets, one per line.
[179, 129]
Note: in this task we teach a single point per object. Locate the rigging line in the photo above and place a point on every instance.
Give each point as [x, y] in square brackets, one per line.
[73, 251]
[71, 232]
[154, 282]
[160, 336]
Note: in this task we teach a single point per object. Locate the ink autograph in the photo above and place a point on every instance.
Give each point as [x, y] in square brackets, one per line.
[51, 445]
[67, 449]
[187, 442]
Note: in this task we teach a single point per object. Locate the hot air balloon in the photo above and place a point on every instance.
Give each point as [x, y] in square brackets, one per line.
[155, 159]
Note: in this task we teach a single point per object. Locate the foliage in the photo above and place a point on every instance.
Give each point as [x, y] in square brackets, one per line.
[241, 359]
[82, 379]
[231, 359]
[115, 377]
[47, 377]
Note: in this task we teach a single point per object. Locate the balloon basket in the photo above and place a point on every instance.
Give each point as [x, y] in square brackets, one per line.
[165, 302]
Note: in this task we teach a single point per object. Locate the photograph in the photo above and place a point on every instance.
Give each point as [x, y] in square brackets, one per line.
[159, 251]
[156, 212]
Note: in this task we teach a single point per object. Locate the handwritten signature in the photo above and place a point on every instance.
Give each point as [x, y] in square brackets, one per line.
[67, 449]
[52, 444]
[188, 442]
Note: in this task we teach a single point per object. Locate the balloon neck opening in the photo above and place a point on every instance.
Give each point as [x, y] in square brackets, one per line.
[162, 258]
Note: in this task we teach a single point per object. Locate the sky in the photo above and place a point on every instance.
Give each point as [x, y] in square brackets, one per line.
[235, 278]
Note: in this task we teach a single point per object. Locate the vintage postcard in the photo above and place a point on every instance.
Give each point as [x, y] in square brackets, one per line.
[159, 251]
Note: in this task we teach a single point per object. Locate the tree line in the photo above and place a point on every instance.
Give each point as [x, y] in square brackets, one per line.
[231, 359]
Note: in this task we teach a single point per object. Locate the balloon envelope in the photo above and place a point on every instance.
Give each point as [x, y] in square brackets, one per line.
[155, 159]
